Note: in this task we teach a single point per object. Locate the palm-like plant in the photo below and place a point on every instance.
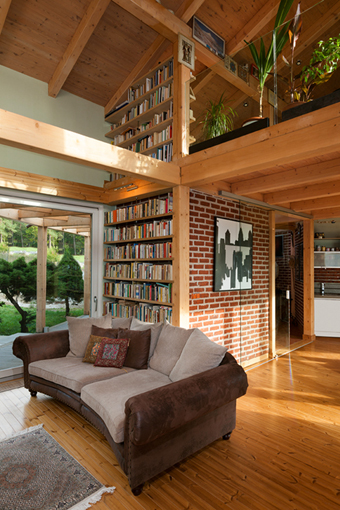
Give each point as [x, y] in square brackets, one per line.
[264, 60]
[218, 119]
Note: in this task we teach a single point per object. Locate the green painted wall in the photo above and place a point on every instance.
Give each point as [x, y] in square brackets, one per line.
[29, 97]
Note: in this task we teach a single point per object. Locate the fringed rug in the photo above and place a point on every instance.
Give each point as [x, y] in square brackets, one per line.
[36, 473]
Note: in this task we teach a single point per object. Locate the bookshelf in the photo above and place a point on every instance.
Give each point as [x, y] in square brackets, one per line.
[138, 271]
[143, 123]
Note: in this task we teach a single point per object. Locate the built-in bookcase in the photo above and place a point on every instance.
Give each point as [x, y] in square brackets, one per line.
[138, 276]
[143, 123]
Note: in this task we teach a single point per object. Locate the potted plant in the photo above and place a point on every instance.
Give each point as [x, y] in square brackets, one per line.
[323, 63]
[294, 31]
[218, 119]
[264, 60]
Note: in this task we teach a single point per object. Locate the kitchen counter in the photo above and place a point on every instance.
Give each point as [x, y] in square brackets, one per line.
[327, 315]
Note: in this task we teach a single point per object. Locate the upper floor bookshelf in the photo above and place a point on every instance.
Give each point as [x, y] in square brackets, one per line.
[143, 123]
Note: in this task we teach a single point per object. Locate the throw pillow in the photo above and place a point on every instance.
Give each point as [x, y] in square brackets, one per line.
[97, 335]
[156, 328]
[139, 346]
[112, 352]
[169, 347]
[199, 354]
[92, 349]
[80, 332]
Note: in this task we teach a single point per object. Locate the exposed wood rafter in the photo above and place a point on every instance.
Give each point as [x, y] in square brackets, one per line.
[28, 134]
[81, 36]
[4, 8]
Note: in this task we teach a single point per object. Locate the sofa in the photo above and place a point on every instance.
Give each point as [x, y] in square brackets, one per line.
[174, 392]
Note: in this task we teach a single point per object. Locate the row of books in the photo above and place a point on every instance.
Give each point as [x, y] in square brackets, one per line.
[157, 228]
[139, 271]
[142, 311]
[151, 207]
[145, 291]
[139, 251]
[159, 96]
[159, 77]
[155, 139]
[163, 153]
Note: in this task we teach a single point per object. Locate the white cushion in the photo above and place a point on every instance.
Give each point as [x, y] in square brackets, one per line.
[72, 373]
[80, 332]
[156, 328]
[108, 398]
[199, 354]
[169, 347]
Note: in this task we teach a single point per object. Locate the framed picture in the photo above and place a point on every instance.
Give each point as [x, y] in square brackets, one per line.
[186, 52]
[208, 37]
[254, 71]
[233, 255]
[230, 64]
[243, 72]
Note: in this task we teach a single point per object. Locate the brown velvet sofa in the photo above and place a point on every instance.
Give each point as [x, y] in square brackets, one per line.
[162, 426]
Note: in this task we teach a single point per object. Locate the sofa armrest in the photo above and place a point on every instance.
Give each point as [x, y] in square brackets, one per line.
[157, 412]
[40, 346]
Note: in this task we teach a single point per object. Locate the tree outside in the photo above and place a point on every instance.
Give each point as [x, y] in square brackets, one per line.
[70, 280]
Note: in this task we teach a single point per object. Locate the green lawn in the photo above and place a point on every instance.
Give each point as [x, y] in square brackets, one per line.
[10, 318]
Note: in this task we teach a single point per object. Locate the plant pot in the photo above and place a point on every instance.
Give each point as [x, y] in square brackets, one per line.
[260, 123]
[310, 106]
[251, 120]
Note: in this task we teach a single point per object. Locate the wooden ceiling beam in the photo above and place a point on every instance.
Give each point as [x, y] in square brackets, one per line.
[80, 38]
[314, 191]
[319, 172]
[326, 213]
[143, 191]
[311, 135]
[317, 203]
[251, 29]
[4, 8]
[184, 12]
[28, 134]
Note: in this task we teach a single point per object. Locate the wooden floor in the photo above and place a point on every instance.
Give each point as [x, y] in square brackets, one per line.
[284, 453]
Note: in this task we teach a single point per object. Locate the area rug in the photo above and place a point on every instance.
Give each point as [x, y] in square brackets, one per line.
[36, 473]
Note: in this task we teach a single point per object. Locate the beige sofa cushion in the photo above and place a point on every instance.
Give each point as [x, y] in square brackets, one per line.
[107, 398]
[80, 332]
[169, 347]
[72, 373]
[199, 354]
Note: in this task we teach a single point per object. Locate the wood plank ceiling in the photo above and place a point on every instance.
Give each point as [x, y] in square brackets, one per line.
[96, 48]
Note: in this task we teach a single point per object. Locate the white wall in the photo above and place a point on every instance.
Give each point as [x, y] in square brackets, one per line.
[29, 97]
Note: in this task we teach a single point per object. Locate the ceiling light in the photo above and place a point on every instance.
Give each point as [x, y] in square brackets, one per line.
[245, 104]
[298, 62]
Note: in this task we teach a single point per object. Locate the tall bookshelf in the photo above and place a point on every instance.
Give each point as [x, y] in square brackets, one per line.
[143, 123]
[138, 258]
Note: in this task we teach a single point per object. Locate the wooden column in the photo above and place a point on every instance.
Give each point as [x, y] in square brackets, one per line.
[41, 279]
[180, 128]
[87, 275]
[180, 266]
[308, 280]
[272, 300]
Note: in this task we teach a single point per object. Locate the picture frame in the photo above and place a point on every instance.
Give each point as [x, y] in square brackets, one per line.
[186, 52]
[254, 71]
[233, 255]
[230, 64]
[206, 36]
[243, 72]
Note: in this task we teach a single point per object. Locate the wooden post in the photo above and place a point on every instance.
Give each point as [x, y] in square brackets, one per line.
[308, 280]
[87, 274]
[41, 279]
[180, 266]
[272, 300]
[180, 128]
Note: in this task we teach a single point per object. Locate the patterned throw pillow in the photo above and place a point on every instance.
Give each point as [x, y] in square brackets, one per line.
[112, 352]
[92, 349]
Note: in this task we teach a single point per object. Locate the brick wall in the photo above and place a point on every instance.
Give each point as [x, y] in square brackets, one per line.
[239, 320]
[327, 275]
[283, 280]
